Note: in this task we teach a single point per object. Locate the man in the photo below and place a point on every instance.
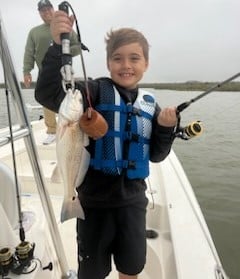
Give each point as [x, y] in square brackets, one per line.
[38, 41]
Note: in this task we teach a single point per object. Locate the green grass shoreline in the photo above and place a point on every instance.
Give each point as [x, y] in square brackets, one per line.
[179, 86]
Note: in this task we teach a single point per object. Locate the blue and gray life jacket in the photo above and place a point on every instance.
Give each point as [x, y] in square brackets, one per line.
[125, 147]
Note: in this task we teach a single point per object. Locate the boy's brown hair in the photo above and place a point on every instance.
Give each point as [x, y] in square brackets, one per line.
[125, 36]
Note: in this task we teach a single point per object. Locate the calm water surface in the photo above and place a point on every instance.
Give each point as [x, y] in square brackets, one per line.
[211, 161]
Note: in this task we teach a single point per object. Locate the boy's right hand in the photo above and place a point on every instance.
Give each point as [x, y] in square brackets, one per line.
[60, 23]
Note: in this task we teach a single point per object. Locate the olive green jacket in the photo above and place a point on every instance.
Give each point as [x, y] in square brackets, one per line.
[38, 41]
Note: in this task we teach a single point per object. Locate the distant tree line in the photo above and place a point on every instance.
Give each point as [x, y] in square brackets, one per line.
[193, 86]
[179, 86]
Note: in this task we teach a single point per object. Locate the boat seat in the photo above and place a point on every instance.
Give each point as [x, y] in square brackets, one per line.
[8, 196]
[8, 237]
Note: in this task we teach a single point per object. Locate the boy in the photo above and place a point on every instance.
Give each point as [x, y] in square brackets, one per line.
[113, 191]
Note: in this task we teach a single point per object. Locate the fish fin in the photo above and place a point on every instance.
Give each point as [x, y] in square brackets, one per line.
[85, 140]
[56, 177]
[71, 208]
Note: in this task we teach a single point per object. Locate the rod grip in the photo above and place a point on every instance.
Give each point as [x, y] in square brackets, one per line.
[66, 53]
[182, 106]
[64, 7]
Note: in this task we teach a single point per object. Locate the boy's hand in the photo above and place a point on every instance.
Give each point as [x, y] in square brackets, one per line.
[167, 117]
[60, 23]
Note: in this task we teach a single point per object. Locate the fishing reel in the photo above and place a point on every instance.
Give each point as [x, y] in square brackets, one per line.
[23, 258]
[19, 262]
[192, 130]
[22, 261]
[6, 261]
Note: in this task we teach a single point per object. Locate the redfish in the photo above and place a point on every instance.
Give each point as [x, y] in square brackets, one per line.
[72, 156]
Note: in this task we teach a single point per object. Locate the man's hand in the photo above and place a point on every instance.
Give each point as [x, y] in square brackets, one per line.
[27, 80]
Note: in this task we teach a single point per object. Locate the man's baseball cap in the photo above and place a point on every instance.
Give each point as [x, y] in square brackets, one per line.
[43, 4]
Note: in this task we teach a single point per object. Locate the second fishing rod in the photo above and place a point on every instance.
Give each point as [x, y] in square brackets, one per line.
[195, 128]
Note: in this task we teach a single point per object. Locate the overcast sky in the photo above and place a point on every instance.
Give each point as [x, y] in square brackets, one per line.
[190, 39]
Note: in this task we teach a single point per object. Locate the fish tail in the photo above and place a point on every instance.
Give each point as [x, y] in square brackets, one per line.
[71, 208]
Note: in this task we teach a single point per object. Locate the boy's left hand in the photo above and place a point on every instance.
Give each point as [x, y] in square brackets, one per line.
[167, 117]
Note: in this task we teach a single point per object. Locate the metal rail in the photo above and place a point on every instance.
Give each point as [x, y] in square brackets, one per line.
[19, 133]
[25, 132]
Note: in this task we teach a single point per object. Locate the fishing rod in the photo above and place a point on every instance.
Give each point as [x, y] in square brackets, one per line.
[91, 122]
[21, 261]
[21, 229]
[66, 54]
[184, 105]
[195, 128]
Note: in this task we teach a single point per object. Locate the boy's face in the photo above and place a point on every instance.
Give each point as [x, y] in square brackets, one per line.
[127, 65]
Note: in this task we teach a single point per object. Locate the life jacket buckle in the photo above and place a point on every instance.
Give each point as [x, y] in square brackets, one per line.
[136, 111]
[133, 137]
[131, 165]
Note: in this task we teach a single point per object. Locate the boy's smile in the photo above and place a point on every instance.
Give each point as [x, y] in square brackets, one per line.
[127, 65]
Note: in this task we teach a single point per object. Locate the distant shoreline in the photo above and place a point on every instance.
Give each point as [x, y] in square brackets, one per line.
[179, 86]
[193, 86]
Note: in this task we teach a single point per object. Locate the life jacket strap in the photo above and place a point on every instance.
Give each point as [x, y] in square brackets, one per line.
[123, 164]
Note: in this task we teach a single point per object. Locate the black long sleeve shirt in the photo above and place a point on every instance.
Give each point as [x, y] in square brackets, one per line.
[98, 189]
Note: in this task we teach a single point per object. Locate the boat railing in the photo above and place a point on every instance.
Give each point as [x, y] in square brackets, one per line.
[24, 131]
[6, 136]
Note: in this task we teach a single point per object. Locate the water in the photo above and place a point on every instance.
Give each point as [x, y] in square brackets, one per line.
[28, 99]
[211, 161]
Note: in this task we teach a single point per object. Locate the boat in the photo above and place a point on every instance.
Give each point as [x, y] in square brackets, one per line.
[35, 244]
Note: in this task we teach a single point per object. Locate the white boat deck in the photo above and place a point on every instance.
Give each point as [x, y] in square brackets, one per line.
[67, 229]
[183, 248]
